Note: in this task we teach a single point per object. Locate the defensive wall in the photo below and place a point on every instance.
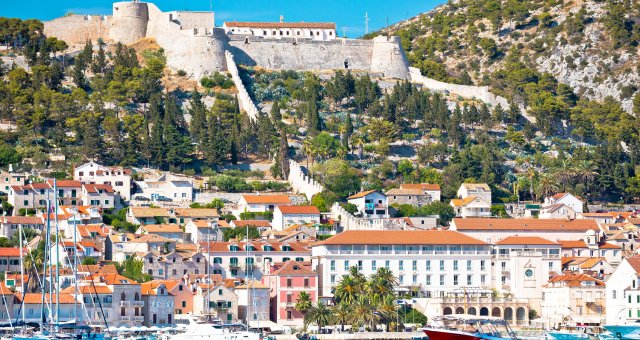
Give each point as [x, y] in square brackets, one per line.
[301, 182]
[244, 99]
[75, 29]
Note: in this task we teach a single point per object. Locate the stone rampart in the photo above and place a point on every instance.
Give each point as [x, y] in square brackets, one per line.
[77, 29]
[244, 100]
[301, 182]
[350, 222]
[129, 21]
[388, 57]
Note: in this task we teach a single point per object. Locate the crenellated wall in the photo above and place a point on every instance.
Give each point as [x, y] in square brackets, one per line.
[79, 28]
[301, 182]
[244, 100]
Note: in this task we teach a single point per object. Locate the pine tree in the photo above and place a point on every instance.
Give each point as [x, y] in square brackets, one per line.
[198, 111]
[100, 61]
[283, 155]
[156, 142]
[275, 113]
[265, 135]
[216, 149]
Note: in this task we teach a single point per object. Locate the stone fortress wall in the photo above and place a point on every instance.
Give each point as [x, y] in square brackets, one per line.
[76, 28]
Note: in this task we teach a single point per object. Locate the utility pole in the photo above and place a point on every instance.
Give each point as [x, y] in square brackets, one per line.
[366, 22]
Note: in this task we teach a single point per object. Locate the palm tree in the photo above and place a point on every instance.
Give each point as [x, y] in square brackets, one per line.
[341, 313]
[303, 305]
[547, 186]
[364, 313]
[587, 171]
[388, 309]
[384, 277]
[318, 314]
[347, 289]
[565, 174]
[531, 176]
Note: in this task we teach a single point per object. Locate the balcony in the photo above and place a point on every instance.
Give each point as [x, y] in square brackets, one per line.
[137, 318]
[290, 304]
[125, 303]
[137, 303]
[125, 318]
[234, 265]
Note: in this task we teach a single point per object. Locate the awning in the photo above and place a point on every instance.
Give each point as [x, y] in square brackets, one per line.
[264, 324]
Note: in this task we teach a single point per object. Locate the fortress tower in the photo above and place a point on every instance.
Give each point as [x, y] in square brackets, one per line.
[129, 21]
[388, 57]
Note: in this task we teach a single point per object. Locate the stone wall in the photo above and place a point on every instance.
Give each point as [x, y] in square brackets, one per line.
[350, 222]
[301, 182]
[129, 21]
[244, 100]
[77, 29]
[388, 57]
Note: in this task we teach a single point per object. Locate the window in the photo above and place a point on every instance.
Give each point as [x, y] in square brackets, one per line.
[373, 266]
[401, 279]
[346, 265]
[428, 265]
[441, 265]
[503, 265]
[333, 278]
[333, 265]
[217, 260]
[289, 282]
[550, 265]
[359, 264]
[400, 265]
[442, 280]
[414, 265]
[455, 265]
[455, 280]
[482, 265]
[26, 202]
[387, 264]
[73, 192]
[483, 279]
[615, 292]
[306, 282]
[106, 202]
[119, 183]
[469, 265]
[469, 280]
[289, 315]
[414, 279]
[428, 280]
[80, 173]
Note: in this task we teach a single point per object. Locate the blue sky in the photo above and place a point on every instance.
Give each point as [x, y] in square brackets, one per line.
[345, 13]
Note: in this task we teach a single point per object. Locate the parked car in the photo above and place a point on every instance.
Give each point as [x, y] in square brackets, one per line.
[164, 199]
[141, 198]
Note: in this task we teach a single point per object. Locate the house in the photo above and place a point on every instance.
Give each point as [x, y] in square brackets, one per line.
[170, 231]
[173, 265]
[216, 301]
[286, 280]
[29, 196]
[623, 292]
[182, 295]
[480, 190]
[158, 307]
[10, 178]
[414, 194]
[556, 211]
[567, 199]
[492, 230]
[592, 246]
[253, 303]
[239, 259]
[203, 231]
[574, 299]
[120, 247]
[11, 224]
[321, 31]
[68, 191]
[370, 204]
[31, 303]
[261, 203]
[166, 186]
[146, 215]
[10, 259]
[185, 215]
[100, 195]
[595, 266]
[128, 304]
[285, 216]
[93, 173]
[64, 253]
[471, 206]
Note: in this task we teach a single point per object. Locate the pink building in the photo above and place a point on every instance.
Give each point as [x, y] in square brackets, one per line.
[286, 280]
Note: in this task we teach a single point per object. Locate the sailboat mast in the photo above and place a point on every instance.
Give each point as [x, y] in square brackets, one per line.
[75, 265]
[246, 261]
[21, 265]
[55, 197]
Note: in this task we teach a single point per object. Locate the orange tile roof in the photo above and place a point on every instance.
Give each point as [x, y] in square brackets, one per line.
[575, 280]
[299, 209]
[634, 262]
[361, 194]
[421, 186]
[88, 289]
[606, 214]
[266, 199]
[93, 188]
[414, 237]
[405, 192]
[591, 262]
[162, 228]
[12, 252]
[4, 290]
[196, 212]
[607, 245]
[202, 223]
[568, 244]
[525, 240]
[473, 186]
[251, 223]
[252, 285]
[149, 212]
[117, 279]
[36, 298]
[280, 25]
[457, 202]
[65, 183]
[559, 225]
[293, 268]
[150, 238]
[23, 220]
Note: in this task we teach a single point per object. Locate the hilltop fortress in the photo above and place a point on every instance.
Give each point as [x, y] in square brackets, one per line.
[193, 44]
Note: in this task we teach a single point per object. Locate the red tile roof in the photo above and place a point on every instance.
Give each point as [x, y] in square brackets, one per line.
[575, 280]
[65, 183]
[635, 263]
[421, 186]
[36, 298]
[23, 220]
[559, 225]
[162, 228]
[293, 268]
[318, 25]
[361, 194]
[266, 199]
[251, 223]
[11, 252]
[299, 209]
[94, 188]
[414, 237]
[525, 240]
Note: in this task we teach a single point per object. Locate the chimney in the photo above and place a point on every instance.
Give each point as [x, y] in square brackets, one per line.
[281, 18]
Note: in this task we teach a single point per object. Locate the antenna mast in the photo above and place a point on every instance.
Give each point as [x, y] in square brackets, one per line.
[366, 22]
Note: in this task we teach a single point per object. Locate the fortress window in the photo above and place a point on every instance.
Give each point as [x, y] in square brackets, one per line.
[281, 32]
[274, 33]
[264, 32]
[330, 33]
[287, 32]
[298, 33]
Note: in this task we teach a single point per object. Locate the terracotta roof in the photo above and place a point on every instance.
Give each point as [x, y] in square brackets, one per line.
[202, 223]
[12, 252]
[607, 245]
[568, 244]
[65, 183]
[421, 186]
[150, 238]
[266, 199]
[88, 244]
[161, 228]
[591, 262]
[525, 240]
[299, 209]
[405, 192]
[457, 202]
[4, 290]
[180, 247]
[170, 284]
[634, 262]
[88, 289]
[473, 186]
[414, 237]
[149, 212]
[251, 223]
[318, 25]
[36, 298]
[361, 194]
[223, 224]
[196, 212]
[560, 225]
[559, 195]
[95, 269]
[575, 280]
[293, 268]
[23, 220]
[606, 214]
[252, 285]
[117, 279]
[93, 188]
[149, 288]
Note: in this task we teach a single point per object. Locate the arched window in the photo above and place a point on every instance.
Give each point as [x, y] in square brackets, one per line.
[136, 297]
[123, 296]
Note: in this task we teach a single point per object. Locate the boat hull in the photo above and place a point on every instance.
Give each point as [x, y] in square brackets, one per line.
[567, 336]
[443, 334]
[624, 331]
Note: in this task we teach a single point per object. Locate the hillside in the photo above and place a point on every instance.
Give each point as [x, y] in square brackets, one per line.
[587, 44]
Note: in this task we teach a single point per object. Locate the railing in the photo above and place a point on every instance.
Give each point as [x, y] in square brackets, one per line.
[290, 304]
[124, 303]
[125, 318]
[137, 318]
[137, 303]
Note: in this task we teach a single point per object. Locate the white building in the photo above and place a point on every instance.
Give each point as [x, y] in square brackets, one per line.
[166, 186]
[253, 299]
[321, 31]
[101, 195]
[573, 299]
[203, 231]
[370, 204]
[492, 230]
[592, 246]
[623, 293]
[285, 216]
[94, 173]
[10, 178]
[473, 200]
[567, 199]
[557, 211]
[261, 203]
[434, 262]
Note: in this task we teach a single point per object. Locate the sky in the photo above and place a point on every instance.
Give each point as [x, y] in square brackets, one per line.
[349, 15]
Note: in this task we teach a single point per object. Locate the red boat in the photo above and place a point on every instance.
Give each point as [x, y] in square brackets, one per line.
[468, 327]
